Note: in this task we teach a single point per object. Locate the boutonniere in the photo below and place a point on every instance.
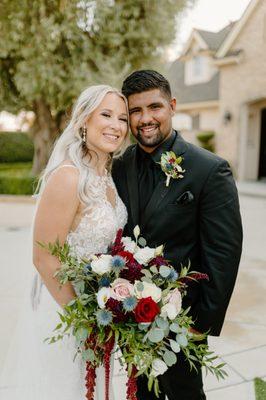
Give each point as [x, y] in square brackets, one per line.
[170, 165]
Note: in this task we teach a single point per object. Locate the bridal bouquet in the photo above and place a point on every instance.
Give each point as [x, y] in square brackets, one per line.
[131, 299]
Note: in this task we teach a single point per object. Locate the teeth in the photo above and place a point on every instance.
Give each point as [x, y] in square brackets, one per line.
[148, 129]
[112, 137]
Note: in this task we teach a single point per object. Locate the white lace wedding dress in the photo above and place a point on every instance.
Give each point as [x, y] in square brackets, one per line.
[40, 371]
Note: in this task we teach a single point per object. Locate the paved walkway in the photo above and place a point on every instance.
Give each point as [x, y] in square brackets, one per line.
[243, 342]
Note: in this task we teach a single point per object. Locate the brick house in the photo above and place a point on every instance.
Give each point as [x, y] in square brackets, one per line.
[220, 82]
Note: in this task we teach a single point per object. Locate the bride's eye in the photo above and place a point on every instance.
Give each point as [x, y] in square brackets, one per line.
[124, 120]
[106, 115]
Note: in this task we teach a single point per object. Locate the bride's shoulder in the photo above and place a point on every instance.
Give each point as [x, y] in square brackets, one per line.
[65, 175]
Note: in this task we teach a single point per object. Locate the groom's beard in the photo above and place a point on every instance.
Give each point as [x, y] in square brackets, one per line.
[156, 138]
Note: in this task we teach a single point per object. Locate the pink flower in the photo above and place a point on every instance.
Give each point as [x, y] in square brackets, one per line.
[122, 289]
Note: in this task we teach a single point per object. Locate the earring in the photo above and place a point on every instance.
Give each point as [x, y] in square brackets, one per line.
[84, 133]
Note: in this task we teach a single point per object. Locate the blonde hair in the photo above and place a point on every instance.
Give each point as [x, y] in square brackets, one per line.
[70, 146]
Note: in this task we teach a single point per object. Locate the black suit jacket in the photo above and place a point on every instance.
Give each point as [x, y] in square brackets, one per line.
[197, 218]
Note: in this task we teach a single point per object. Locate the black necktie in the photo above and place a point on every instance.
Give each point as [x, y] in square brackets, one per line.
[146, 182]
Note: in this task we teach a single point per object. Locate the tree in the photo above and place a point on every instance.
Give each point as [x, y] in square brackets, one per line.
[50, 50]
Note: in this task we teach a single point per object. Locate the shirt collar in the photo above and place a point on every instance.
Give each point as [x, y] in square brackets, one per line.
[165, 146]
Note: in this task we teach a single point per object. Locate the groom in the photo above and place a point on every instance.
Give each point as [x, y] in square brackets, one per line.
[196, 217]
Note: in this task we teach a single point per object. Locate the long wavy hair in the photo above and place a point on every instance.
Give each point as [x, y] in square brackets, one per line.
[70, 146]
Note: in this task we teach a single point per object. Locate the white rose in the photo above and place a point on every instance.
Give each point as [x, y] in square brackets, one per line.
[174, 297]
[149, 290]
[102, 264]
[129, 244]
[158, 367]
[143, 256]
[169, 310]
[103, 295]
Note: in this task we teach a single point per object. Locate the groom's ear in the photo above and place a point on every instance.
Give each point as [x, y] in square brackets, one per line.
[173, 105]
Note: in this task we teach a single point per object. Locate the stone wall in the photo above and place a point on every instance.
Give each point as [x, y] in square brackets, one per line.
[242, 84]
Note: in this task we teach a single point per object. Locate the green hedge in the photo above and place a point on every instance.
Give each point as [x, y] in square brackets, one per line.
[260, 389]
[206, 140]
[16, 179]
[15, 147]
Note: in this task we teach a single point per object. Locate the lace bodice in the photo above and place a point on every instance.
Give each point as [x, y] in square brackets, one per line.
[100, 222]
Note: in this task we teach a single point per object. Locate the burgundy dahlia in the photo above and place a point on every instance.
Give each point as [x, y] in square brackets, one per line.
[116, 306]
[133, 272]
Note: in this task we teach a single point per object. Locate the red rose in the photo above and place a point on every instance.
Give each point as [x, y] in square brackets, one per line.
[146, 310]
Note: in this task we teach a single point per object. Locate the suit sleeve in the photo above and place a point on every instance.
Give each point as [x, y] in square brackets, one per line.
[221, 245]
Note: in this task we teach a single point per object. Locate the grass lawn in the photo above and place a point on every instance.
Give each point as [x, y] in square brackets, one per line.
[260, 389]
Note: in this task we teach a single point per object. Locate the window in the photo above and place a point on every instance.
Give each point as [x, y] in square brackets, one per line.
[197, 66]
[196, 122]
[197, 70]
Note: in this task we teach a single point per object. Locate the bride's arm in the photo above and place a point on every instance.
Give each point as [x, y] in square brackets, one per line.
[56, 210]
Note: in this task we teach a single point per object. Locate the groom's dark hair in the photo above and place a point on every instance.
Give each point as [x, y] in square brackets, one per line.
[144, 80]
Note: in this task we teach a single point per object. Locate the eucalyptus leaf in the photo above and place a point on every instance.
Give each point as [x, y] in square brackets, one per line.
[156, 335]
[140, 286]
[143, 326]
[79, 287]
[81, 333]
[164, 271]
[174, 328]
[145, 279]
[154, 269]
[142, 242]
[182, 340]
[162, 323]
[88, 355]
[147, 273]
[169, 358]
[174, 346]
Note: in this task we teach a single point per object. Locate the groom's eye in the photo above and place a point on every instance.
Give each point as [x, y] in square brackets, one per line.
[134, 111]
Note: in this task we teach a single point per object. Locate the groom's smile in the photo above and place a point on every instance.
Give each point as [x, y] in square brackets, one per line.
[151, 117]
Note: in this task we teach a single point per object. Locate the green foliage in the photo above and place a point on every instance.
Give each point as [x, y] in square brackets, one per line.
[52, 50]
[206, 140]
[260, 389]
[16, 179]
[15, 147]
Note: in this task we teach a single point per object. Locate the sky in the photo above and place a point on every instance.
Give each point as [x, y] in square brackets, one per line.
[210, 15]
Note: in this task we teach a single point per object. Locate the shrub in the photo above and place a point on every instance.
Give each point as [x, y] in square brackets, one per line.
[15, 147]
[206, 140]
[17, 185]
[16, 179]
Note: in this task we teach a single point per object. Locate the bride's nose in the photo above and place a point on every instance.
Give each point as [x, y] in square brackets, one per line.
[115, 124]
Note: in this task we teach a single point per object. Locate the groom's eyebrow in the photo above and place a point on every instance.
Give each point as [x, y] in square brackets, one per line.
[137, 108]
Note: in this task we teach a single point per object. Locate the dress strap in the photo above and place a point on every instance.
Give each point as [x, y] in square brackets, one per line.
[63, 166]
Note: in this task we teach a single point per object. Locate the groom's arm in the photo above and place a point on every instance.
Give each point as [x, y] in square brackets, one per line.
[221, 245]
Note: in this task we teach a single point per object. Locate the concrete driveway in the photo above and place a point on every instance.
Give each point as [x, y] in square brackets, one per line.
[242, 344]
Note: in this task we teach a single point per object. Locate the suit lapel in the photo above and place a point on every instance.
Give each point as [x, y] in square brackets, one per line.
[132, 185]
[179, 148]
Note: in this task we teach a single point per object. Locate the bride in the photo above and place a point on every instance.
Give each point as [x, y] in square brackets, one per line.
[78, 203]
